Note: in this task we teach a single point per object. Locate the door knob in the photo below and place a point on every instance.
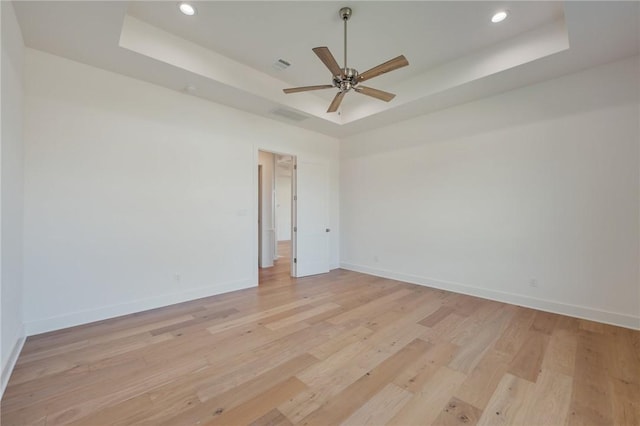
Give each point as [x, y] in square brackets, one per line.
[327, 230]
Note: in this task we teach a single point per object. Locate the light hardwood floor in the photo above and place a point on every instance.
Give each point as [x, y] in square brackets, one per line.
[341, 348]
[280, 273]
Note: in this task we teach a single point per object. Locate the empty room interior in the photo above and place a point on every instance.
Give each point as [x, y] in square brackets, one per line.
[320, 213]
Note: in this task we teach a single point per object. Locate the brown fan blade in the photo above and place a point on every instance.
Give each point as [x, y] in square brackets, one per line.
[307, 88]
[335, 103]
[379, 94]
[390, 65]
[328, 60]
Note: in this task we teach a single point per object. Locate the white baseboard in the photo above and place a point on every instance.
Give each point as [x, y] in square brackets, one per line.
[584, 312]
[105, 312]
[11, 362]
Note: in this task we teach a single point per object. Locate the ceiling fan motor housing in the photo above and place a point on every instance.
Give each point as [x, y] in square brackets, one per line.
[348, 81]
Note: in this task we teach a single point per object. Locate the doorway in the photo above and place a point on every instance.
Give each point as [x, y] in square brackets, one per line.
[276, 217]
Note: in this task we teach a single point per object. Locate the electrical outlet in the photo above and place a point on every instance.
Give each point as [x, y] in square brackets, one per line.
[376, 259]
[533, 282]
[177, 278]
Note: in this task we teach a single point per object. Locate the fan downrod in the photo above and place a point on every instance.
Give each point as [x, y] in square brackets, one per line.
[345, 13]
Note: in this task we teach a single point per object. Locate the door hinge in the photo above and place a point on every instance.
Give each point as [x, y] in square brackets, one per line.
[295, 198]
[295, 229]
[295, 167]
[295, 260]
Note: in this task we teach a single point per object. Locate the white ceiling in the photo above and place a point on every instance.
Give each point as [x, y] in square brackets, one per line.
[259, 33]
[227, 49]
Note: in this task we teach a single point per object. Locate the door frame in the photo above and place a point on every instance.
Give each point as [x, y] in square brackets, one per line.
[257, 207]
[260, 215]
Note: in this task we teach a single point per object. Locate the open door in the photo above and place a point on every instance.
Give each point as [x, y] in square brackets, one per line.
[294, 216]
[312, 218]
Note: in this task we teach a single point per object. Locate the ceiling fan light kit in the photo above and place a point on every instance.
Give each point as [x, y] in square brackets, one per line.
[345, 78]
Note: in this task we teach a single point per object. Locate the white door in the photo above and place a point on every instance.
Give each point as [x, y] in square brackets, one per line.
[312, 227]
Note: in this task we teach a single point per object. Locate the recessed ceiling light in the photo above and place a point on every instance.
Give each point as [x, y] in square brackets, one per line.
[187, 9]
[499, 16]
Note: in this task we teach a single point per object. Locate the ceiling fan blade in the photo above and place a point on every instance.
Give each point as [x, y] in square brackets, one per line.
[378, 94]
[390, 65]
[328, 60]
[335, 103]
[307, 88]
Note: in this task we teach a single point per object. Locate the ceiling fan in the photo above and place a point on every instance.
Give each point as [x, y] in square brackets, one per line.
[345, 79]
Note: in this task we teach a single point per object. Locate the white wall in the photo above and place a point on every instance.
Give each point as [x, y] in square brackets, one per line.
[12, 191]
[268, 240]
[539, 183]
[128, 185]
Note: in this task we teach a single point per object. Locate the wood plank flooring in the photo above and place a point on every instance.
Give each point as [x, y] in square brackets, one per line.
[341, 348]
